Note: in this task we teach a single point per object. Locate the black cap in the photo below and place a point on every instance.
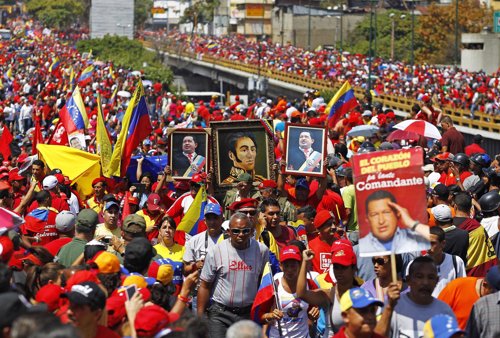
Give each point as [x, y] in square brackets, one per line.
[14, 305]
[441, 191]
[138, 252]
[87, 293]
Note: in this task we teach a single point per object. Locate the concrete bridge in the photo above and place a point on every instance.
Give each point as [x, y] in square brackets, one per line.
[244, 78]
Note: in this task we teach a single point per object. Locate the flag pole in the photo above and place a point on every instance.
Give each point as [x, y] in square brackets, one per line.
[276, 299]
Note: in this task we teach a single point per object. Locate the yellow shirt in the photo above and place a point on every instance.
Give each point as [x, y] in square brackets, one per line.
[150, 222]
[175, 253]
[101, 230]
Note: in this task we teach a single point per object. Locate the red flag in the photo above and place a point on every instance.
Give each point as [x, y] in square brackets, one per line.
[5, 140]
[126, 206]
[37, 136]
[59, 135]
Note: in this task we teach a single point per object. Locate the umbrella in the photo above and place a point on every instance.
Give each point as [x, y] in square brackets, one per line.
[136, 73]
[419, 127]
[99, 63]
[398, 135]
[147, 83]
[123, 93]
[363, 130]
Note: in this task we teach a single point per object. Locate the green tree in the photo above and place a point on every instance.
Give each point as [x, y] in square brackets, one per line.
[437, 28]
[142, 11]
[128, 54]
[200, 12]
[381, 43]
[58, 14]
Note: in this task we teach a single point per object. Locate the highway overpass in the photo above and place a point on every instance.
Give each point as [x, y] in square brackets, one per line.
[242, 77]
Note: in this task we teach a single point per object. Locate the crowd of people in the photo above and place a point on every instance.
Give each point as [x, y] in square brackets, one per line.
[447, 85]
[115, 264]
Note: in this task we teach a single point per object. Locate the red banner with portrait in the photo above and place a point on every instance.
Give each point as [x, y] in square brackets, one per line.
[383, 181]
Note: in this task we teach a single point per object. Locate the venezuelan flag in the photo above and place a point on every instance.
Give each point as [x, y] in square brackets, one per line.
[341, 103]
[8, 75]
[195, 213]
[73, 115]
[55, 65]
[112, 99]
[265, 295]
[86, 75]
[136, 126]
[103, 140]
[112, 72]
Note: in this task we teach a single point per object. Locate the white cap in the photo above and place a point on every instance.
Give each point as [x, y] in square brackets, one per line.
[65, 221]
[49, 182]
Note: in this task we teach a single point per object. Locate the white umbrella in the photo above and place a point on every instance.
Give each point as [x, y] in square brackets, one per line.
[419, 127]
[147, 83]
[123, 93]
[136, 73]
[363, 130]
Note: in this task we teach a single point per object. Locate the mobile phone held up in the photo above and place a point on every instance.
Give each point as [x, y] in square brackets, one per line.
[130, 290]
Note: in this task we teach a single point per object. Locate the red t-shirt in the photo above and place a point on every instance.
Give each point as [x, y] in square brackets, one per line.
[104, 332]
[41, 223]
[341, 334]
[56, 245]
[287, 235]
[474, 148]
[322, 255]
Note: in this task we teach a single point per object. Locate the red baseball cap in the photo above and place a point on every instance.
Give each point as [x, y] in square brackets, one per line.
[343, 253]
[290, 252]
[115, 305]
[153, 202]
[446, 156]
[49, 294]
[268, 184]
[199, 178]
[152, 319]
[322, 217]
[244, 203]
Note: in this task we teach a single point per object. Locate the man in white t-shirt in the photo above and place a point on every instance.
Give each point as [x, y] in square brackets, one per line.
[449, 267]
[230, 276]
[417, 306]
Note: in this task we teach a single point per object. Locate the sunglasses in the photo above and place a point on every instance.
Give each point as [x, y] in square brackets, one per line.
[244, 231]
[379, 261]
[248, 212]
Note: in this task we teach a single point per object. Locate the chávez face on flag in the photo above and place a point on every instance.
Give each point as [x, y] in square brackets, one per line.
[387, 183]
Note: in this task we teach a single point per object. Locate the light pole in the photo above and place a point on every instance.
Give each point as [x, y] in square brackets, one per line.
[122, 27]
[393, 26]
[412, 58]
[456, 32]
[309, 28]
[370, 50]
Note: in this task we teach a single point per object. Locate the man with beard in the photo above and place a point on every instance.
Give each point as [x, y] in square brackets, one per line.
[417, 306]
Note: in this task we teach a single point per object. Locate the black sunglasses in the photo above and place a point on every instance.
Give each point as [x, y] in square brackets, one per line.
[248, 212]
[379, 261]
[244, 231]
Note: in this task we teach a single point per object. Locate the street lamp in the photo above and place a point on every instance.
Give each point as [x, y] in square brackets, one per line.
[456, 32]
[309, 28]
[393, 26]
[370, 50]
[122, 27]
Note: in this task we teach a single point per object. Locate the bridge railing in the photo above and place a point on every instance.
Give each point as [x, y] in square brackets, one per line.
[460, 116]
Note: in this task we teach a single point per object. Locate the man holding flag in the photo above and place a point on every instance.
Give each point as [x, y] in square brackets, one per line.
[231, 273]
